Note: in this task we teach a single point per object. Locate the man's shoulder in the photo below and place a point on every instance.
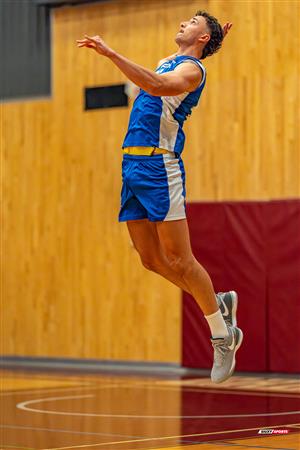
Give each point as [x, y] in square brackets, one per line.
[167, 59]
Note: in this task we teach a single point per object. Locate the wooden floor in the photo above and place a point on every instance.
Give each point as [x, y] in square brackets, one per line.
[56, 411]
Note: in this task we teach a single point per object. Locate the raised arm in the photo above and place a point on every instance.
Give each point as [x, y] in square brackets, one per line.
[184, 79]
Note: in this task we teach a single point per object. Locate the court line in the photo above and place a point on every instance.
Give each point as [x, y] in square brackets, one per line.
[23, 406]
[61, 430]
[163, 438]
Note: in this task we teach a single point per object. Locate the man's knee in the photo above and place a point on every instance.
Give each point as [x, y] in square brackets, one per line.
[178, 263]
[150, 261]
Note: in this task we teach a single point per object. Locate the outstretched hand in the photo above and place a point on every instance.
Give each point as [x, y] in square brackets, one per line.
[226, 28]
[97, 44]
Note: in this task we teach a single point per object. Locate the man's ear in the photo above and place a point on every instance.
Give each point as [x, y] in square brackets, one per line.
[204, 38]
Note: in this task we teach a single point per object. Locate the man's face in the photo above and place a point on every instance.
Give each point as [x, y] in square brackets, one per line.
[193, 31]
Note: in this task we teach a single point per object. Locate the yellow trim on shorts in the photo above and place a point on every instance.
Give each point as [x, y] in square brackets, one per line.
[146, 151]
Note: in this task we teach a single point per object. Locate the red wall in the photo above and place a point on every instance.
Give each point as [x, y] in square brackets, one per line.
[253, 248]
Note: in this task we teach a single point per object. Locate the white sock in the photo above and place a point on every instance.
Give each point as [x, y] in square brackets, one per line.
[217, 325]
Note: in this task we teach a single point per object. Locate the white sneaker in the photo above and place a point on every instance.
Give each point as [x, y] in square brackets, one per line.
[224, 354]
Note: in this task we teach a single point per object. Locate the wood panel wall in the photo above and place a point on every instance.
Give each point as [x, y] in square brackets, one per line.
[73, 285]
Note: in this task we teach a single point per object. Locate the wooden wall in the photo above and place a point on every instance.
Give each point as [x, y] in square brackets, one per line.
[73, 285]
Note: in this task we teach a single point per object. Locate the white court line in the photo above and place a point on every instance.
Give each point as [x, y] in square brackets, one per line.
[23, 406]
[165, 438]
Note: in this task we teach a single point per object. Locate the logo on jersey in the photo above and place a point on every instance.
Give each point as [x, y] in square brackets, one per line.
[163, 67]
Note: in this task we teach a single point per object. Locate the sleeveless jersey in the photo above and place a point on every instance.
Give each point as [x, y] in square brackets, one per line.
[158, 121]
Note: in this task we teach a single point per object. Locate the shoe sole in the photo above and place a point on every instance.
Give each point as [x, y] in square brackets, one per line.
[233, 361]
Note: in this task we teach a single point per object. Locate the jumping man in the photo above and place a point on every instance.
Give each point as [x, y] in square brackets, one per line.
[153, 192]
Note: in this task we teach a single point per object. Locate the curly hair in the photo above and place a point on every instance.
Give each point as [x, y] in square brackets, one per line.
[216, 34]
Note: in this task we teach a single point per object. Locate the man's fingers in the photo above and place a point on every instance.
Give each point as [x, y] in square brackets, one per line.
[87, 39]
[96, 43]
[86, 44]
[226, 28]
[90, 38]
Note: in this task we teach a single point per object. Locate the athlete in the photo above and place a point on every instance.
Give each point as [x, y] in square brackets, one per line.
[153, 192]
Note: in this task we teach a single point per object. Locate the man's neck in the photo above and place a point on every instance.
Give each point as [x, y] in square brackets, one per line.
[196, 52]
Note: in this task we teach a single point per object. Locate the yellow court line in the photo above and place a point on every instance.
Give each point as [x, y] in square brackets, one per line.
[165, 438]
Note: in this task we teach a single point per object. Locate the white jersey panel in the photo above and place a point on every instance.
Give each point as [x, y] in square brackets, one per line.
[169, 126]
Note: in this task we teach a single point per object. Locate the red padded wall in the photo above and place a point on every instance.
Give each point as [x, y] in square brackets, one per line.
[243, 245]
[284, 285]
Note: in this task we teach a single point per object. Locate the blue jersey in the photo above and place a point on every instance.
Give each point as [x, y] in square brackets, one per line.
[158, 121]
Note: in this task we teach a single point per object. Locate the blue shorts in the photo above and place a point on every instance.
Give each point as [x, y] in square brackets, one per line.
[153, 188]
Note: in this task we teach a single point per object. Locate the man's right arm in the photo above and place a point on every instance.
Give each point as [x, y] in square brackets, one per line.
[170, 83]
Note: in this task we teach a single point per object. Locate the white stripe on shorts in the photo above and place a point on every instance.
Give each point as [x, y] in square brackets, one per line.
[176, 209]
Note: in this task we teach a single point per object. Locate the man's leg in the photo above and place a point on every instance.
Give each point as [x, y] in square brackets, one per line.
[226, 340]
[178, 266]
[145, 239]
[171, 256]
[164, 248]
[175, 242]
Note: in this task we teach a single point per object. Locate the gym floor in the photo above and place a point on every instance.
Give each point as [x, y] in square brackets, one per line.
[56, 411]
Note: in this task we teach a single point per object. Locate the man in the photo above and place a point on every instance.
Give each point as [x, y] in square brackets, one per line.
[153, 193]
